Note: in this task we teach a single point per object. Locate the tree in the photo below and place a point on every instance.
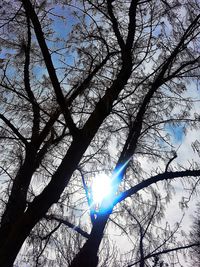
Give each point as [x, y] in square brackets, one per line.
[195, 237]
[119, 77]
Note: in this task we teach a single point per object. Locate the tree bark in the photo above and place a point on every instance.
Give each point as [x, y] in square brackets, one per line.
[87, 256]
[15, 239]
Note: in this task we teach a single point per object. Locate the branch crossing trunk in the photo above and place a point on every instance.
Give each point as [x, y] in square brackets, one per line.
[87, 256]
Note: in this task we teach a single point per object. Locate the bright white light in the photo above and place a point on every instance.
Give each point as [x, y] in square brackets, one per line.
[101, 187]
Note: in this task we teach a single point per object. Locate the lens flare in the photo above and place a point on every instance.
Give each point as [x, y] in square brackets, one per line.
[101, 188]
[104, 187]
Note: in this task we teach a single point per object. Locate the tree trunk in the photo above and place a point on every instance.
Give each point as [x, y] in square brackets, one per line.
[16, 204]
[15, 239]
[87, 256]
[16, 230]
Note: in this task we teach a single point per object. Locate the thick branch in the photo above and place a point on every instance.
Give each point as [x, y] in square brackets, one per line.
[35, 107]
[135, 129]
[80, 89]
[179, 47]
[115, 25]
[182, 66]
[132, 24]
[88, 197]
[50, 67]
[155, 179]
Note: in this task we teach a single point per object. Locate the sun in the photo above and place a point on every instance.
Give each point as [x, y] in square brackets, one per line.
[101, 187]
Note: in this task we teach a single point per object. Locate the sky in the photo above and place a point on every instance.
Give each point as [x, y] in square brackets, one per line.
[180, 141]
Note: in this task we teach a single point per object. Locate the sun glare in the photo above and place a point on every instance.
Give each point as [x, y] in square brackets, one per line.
[101, 187]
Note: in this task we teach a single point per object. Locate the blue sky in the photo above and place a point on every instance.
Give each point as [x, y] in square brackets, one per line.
[176, 132]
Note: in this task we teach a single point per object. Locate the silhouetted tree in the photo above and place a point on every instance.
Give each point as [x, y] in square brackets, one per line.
[195, 238]
[88, 86]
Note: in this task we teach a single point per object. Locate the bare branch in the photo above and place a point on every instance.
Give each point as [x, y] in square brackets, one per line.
[166, 251]
[68, 224]
[14, 129]
[169, 162]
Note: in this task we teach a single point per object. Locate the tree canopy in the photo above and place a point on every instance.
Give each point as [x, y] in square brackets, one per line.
[88, 89]
[195, 237]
